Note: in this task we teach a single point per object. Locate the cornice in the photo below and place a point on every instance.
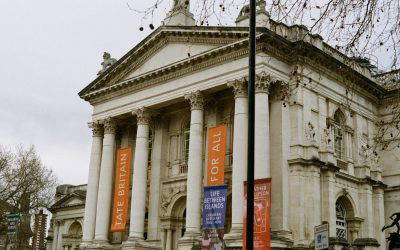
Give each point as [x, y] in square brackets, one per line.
[268, 42]
[162, 35]
[172, 71]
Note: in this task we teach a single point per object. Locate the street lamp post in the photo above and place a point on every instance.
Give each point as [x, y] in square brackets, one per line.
[251, 111]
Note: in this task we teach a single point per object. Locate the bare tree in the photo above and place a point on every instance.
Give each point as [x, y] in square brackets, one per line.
[358, 28]
[26, 185]
[366, 31]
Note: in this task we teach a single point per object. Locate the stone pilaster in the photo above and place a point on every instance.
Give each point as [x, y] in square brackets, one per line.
[139, 187]
[239, 164]
[279, 155]
[158, 162]
[104, 197]
[93, 183]
[195, 168]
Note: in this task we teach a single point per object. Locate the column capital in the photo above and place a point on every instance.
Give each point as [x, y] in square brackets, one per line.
[239, 87]
[264, 82]
[97, 128]
[110, 127]
[280, 91]
[196, 100]
[143, 115]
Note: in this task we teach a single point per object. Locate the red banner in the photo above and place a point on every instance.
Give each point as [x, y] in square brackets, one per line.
[262, 213]
[121, 190]
[216, 155]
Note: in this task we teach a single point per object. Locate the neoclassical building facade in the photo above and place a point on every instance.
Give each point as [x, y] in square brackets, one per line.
[312, 139]
[67, 212]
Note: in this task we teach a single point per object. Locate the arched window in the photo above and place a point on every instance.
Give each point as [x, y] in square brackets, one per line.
[338, 132]
[75, 229]
[341, 224]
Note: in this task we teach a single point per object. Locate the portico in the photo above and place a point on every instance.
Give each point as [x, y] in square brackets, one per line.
[160, 102]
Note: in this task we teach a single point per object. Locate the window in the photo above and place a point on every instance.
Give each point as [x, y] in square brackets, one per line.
[341, 225]
[338, 132]
[186, 140]
[151, 139]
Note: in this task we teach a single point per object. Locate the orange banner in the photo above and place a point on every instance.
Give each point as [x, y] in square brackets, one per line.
[121, 189]
[262, 214]
[216, 155]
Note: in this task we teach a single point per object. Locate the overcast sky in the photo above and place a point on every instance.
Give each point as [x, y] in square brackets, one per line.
[49, 51]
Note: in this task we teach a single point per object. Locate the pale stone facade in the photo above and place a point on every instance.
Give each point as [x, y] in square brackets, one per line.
[161, 97]
[65, 231]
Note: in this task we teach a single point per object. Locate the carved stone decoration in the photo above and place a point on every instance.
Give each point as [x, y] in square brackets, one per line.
[181, 5]
[280, 91]
[310, 133]
[327, 139]
[143, 116]
[239, 87]
[245, 11]
[107, 62]
[97, 129]
[167, 196]
[110, 127]
[363, 153]
[196, 100]
[264, 82]
[368, 156]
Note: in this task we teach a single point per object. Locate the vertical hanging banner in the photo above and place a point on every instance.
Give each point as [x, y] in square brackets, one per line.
[262, 212]
[214, 207]
[121, 190]
[216, 155]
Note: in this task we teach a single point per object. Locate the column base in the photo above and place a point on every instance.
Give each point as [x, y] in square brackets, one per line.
[85, 244]
[234, 238]
[281, 239]
[189, 240]
[98, 245]
[140, 244]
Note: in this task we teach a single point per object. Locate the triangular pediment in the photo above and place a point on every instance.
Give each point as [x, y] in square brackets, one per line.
[74, 201]
[70, 200]
[165, 46]
[170, 53]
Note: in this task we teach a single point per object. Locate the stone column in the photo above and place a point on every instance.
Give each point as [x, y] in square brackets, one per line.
[139, 183]
[379, 215]
[195, 165]
[158, 162]
[105, 183]
[239, 165]
[56, 231]
[328, 199]
[168, 244]
[261, 142]
[93, 183]
[59, 234]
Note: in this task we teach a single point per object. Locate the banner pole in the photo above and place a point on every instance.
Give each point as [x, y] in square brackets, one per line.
[251, 111]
